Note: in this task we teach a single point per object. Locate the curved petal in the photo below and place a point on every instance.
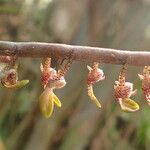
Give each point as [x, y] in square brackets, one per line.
[46, 103]
[92, 96]
[19, 84]
[128, 105]
[56, 100]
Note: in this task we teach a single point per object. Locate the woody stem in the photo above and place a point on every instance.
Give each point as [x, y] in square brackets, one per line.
[80, 53]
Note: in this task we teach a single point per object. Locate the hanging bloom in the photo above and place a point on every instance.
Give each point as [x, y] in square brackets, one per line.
[51, 80]
[95, 74]
[145, 77]
[9, 74]
[123, 92]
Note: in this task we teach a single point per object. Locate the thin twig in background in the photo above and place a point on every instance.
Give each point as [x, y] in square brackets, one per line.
[79, 53]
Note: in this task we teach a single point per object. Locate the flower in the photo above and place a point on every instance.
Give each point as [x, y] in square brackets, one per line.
[9, 74]
[95, 74]
[123, 91]
[145, 77]
[50, 82]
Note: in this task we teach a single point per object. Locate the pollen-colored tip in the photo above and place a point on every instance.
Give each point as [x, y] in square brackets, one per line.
[56, 100]
[95, 100]
[98, 104]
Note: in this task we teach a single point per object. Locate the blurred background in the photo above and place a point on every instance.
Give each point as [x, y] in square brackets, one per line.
[79, 124]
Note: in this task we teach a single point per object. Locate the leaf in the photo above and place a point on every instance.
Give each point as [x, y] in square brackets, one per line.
[19, 84]
[46, 103]
[93, 97]
[128, 105]
[56, 100]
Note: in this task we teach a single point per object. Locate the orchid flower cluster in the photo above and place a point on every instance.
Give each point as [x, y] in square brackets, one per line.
[52, 79]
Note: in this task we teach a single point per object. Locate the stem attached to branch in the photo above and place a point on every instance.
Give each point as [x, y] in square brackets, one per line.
[80, 53]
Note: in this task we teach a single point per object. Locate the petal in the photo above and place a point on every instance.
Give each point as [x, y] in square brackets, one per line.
[89, 68]
[19, 84]
[92, 96]
[128, 105]
[46, 103]
[141, 76]
[41, 67]
[56, 100]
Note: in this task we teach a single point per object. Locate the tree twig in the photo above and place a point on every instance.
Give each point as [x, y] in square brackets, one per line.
[80, 53]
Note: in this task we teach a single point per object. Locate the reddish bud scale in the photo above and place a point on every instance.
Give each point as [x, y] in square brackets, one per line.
[122, 76]
[45, 72]
[92, 77]
[146, 92]
[95, 66]
[146, 83]
[45, 78]
[47, 63]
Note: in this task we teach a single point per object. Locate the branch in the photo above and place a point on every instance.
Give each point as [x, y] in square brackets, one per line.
[79, 53]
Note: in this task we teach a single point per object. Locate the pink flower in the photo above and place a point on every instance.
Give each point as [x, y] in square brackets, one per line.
[145, 77]
[123, 91]
[95, 74]
[51, 80]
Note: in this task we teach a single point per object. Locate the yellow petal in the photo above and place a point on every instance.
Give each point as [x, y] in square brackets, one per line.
[128, 105]
[56, 100]
[92, 96]
[19, 84]
[46, 103]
